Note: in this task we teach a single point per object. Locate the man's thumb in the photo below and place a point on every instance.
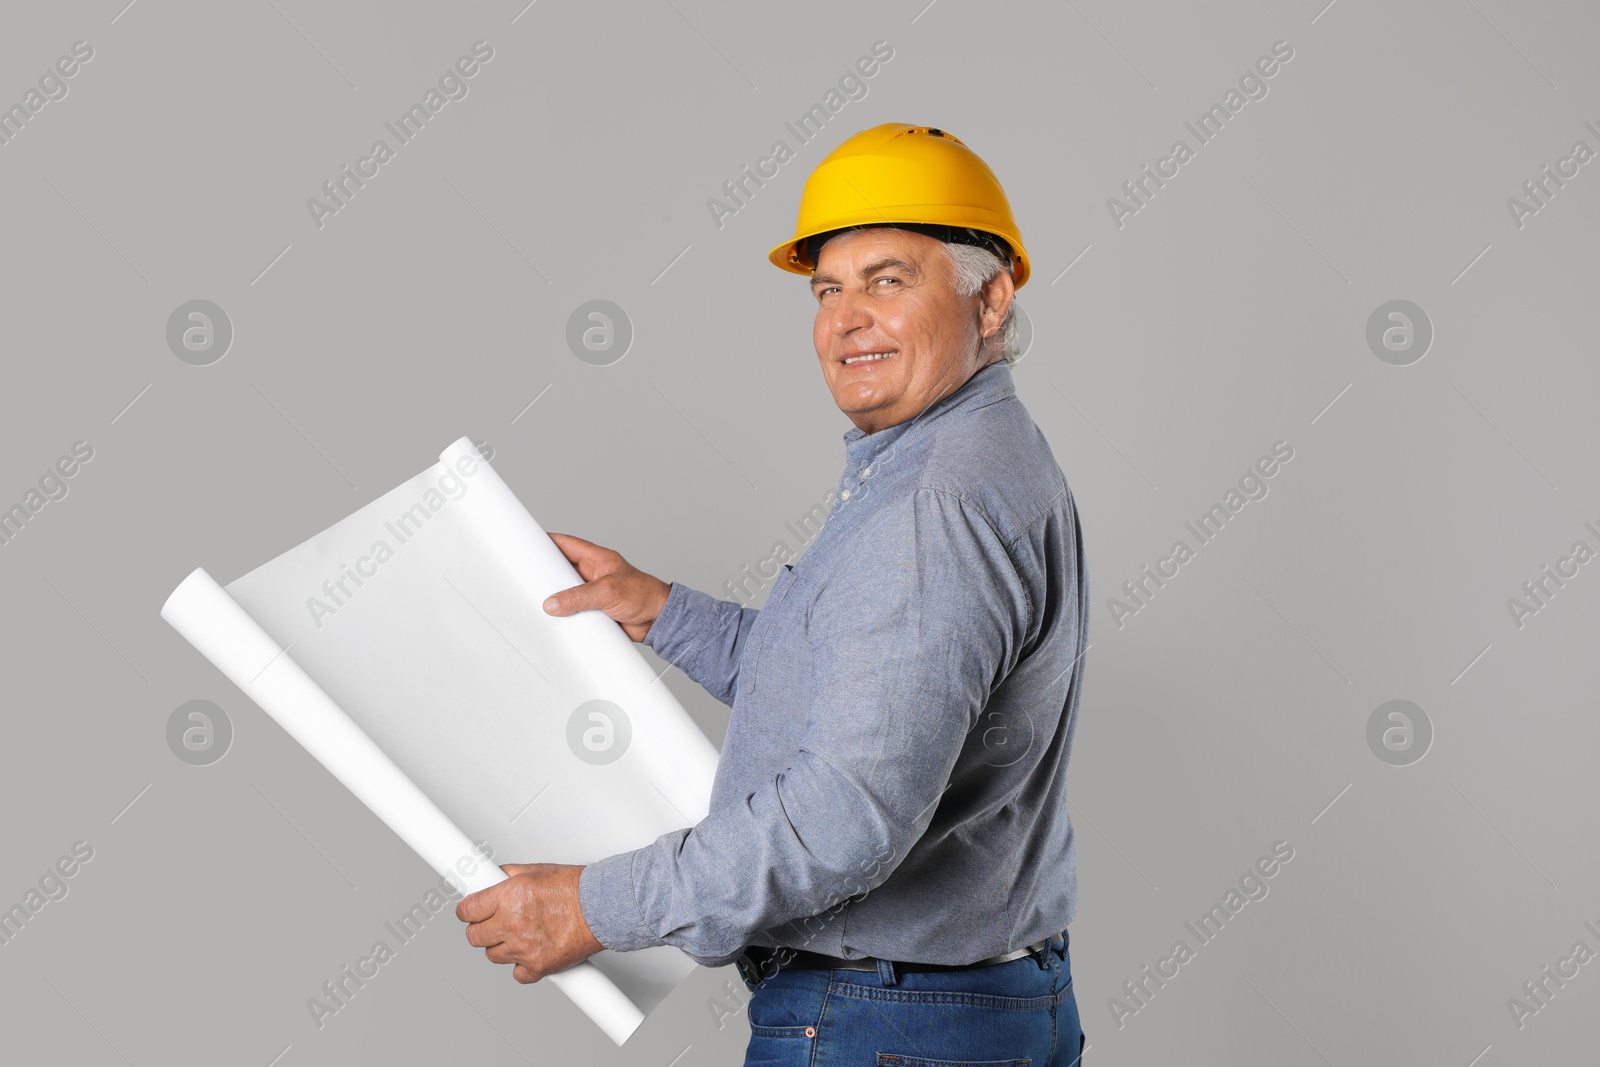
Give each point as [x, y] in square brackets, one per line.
[476, 907]
[564, 602]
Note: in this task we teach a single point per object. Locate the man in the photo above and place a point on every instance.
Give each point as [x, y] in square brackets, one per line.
[888, 854]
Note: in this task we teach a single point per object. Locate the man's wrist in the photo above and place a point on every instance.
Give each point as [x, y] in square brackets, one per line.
[670, 604]
[663, 594]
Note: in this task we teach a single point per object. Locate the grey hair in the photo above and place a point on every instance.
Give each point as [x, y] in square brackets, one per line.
[973, 267]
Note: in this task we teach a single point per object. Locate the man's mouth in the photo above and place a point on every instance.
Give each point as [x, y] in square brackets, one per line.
[867, 357]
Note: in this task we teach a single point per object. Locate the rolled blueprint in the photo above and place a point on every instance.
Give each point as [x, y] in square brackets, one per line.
[406, 649]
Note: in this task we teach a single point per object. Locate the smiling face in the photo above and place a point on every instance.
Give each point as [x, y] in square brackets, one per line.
[883, 290]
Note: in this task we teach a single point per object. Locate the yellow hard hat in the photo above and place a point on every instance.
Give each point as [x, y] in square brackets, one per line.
[917, 177]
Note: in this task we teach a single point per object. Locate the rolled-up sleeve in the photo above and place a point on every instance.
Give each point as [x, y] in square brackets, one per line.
[909, 634]
[704, 637]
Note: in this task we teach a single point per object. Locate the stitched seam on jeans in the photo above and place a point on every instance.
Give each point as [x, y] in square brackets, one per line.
[1055, 1000]
[822, 1018]
[929, 996]
[778, 1031]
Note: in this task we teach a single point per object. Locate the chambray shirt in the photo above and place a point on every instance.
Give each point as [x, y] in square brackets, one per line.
[894, 778]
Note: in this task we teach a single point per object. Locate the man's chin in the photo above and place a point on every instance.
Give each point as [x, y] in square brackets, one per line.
[856, 401]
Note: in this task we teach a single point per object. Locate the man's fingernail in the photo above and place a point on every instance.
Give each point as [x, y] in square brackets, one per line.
[551, 603]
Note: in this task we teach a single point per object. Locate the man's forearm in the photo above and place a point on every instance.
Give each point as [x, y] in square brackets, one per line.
[704, 637]
[803, 843]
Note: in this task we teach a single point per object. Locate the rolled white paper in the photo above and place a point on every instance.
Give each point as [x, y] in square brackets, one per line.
[406, 649]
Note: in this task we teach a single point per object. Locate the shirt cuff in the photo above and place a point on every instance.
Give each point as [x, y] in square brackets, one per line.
[671, 619]
[611, 907]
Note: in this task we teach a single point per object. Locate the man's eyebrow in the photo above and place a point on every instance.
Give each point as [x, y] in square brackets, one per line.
[866, 272]
[889, 261]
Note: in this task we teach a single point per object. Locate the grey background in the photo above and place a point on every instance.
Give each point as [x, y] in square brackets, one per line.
[1228, 314]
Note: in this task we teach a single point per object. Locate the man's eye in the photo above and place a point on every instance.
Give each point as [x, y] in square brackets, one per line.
[886, 278]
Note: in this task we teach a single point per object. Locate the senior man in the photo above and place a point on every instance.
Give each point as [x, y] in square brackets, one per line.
[888, 855]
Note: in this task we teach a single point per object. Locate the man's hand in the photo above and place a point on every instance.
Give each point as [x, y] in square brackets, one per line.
[611, 584]
[532, 919]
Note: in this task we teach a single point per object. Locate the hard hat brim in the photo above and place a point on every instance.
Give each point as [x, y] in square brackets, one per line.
[790, 256]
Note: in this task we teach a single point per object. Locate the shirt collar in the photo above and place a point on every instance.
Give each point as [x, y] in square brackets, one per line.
[987, 385]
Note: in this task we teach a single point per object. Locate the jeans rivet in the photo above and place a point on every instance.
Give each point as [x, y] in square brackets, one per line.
[811, 1031]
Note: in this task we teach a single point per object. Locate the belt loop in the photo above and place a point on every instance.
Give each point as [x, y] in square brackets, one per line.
[886, 973]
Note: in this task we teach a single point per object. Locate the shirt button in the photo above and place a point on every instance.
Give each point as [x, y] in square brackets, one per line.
[845, 495]
[865, 472]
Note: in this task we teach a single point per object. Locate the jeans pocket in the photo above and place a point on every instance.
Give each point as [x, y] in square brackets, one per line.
[1068, 1019]
[780, 1046]
[787, 1005]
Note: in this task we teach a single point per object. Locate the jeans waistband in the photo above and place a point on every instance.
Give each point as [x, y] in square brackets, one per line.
[758, 962]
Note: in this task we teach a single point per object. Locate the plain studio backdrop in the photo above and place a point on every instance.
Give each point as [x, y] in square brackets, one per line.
[1442, 459]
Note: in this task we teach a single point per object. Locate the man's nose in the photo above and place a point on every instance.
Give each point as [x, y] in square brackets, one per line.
[850, 312]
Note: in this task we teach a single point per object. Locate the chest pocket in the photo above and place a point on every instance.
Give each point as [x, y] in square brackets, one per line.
[770, 619]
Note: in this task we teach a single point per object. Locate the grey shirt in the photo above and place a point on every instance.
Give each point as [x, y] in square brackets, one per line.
[894, 778]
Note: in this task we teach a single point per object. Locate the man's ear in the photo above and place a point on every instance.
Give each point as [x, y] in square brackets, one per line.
[994, 301]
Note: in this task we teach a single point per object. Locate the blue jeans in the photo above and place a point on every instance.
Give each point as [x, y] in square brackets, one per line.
[1017, 1014]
